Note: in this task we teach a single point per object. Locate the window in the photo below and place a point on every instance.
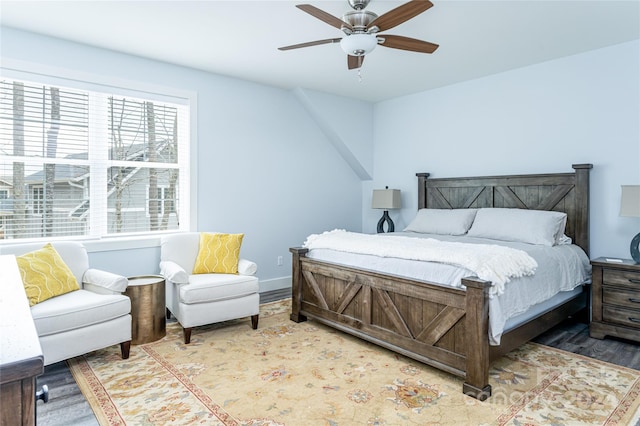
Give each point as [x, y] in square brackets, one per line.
[164, 205]
[37, 199]
[84, 163]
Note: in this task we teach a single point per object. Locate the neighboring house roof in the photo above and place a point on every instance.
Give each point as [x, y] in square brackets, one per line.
[64, 173]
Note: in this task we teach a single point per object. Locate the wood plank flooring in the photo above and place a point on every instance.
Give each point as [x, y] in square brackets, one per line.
[573, 336]
[67, 406]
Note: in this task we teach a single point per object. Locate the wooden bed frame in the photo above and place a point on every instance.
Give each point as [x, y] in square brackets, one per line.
[444, 327]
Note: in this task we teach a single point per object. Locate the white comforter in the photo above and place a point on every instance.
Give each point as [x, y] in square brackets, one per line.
[490, 262]
[560, 269]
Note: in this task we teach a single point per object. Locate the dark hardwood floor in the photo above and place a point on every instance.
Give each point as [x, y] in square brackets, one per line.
[67, 405]
[573, 336]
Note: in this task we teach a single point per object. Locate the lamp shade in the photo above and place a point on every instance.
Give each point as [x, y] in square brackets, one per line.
[386, 199]
[630, 201]
[358, 44]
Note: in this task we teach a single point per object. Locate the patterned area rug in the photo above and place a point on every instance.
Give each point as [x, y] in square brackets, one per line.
[309, 374]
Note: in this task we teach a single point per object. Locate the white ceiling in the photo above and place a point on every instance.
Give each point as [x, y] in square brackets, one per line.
[240, 38]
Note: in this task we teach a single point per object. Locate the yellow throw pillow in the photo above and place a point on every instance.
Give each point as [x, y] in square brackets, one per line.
[45, 275]
[218, 254]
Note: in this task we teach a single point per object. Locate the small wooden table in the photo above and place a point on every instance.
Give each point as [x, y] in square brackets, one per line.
[148, 321]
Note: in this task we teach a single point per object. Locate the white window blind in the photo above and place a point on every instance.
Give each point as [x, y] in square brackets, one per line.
[75, 162]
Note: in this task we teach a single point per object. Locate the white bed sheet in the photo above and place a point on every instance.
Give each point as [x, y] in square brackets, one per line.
[561, 268]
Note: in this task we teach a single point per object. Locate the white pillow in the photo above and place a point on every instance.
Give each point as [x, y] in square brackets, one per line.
[521, 225]
[563, 240]
[442, 221]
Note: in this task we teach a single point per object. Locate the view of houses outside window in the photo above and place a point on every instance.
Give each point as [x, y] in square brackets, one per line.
[83, 163]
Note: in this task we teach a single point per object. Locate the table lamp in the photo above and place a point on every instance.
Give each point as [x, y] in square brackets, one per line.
[386, 199]
[630, 206]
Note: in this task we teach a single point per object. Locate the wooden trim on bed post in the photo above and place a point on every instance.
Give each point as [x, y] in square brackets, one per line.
[582, 205]
[476, 382]
[296, 284]
[422, 196]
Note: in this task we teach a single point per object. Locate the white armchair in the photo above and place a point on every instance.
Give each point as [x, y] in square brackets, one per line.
[94, 317]
[201, 299]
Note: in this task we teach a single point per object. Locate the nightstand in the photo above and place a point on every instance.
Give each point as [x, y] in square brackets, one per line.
[615, 299]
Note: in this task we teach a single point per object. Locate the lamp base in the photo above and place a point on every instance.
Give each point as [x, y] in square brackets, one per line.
[385, 218]
[635, 251]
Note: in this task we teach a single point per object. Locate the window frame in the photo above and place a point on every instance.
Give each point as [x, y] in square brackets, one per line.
[55, 76]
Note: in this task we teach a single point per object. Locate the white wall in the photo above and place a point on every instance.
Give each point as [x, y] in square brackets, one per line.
[265, 167]
[543, 118]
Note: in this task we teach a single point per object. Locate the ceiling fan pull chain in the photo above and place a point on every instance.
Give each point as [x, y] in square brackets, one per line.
[359, 75]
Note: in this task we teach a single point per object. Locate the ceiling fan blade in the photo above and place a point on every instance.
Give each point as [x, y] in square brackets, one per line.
[400, 14]
[311, 43]
[323, 16]
[354, 62]
[406, 43]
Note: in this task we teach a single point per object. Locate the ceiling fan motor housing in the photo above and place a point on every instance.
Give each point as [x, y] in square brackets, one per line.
[359, 20]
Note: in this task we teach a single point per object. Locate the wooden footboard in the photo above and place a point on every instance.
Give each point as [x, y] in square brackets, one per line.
[446, 328]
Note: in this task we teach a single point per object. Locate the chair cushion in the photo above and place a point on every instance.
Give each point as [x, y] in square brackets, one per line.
[76, 310]
[45, 275]
[203, 288]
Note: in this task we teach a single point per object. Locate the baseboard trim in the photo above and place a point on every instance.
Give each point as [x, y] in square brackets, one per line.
[275, 284]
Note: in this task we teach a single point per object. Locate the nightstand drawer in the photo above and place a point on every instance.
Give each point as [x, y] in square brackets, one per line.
[628, 317]
[621, 278]
[628, 298]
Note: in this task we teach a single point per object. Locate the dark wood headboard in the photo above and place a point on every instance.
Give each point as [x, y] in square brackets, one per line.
[562, 192]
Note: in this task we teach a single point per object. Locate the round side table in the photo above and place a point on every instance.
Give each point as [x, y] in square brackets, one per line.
[148, 321]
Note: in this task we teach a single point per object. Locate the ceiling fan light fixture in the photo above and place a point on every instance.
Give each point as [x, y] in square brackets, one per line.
[358, 44]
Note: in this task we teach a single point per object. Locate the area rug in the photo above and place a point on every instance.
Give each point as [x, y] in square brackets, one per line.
[308, 374]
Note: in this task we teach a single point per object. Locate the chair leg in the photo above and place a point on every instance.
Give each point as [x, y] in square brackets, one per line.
[187, 335]
[254, 321]
[125, 348]
[168, 313]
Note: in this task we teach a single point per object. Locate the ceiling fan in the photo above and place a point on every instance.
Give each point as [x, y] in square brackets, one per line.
[361, 28]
